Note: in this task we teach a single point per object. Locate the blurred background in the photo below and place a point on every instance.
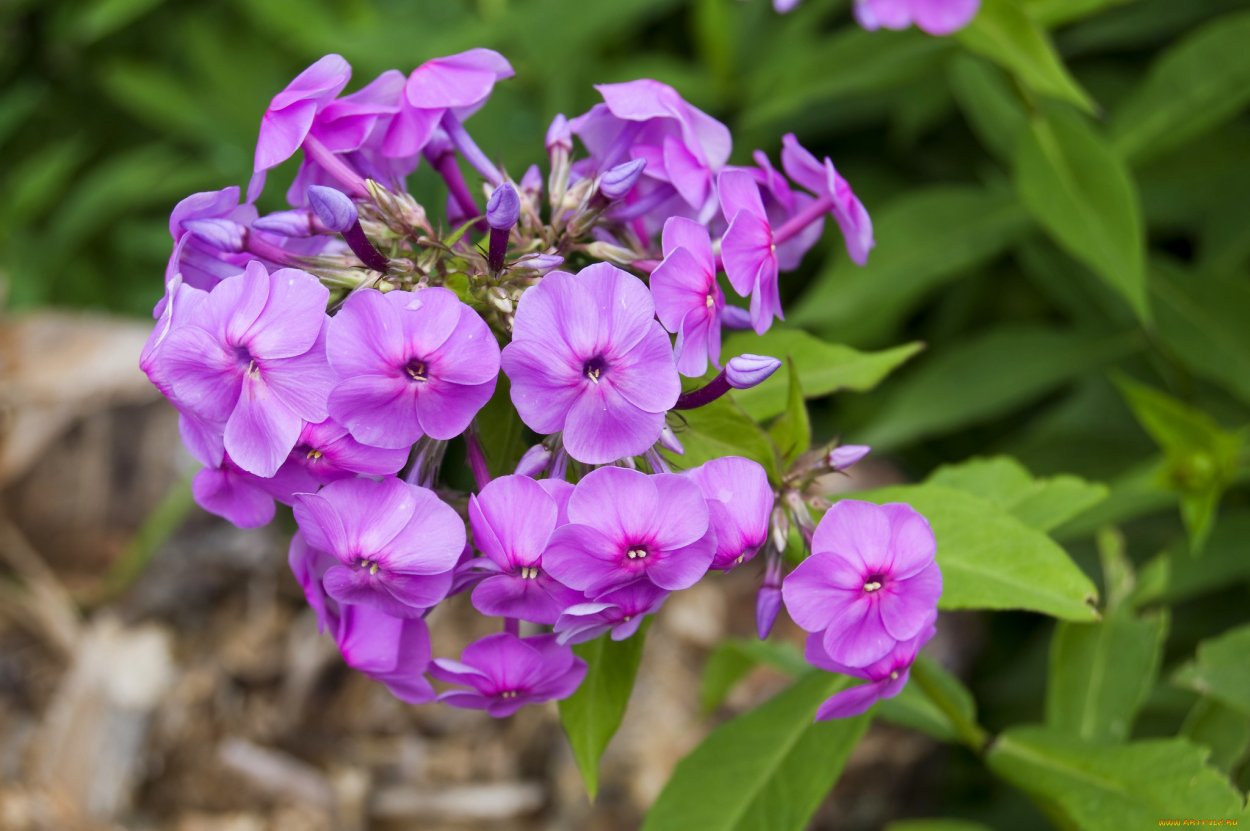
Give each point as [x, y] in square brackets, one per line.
[158, 668]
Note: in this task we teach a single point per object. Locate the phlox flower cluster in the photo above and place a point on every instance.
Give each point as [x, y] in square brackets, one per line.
[333, 355]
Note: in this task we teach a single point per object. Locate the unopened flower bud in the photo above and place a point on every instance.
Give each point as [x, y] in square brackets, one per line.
[296, 223]
[504, 208]
[534, 462]
[779, 528]
[498, 298]
[735, 317]
[334, 208]
[746, 371]
[767, 605]
[668, 440]
[532, 181]
[843, 457]
[620, 180]
[225, 235]
[559, 134]
[542, 263]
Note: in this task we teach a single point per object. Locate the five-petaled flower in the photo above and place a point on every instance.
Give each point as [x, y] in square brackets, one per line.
[503, 673]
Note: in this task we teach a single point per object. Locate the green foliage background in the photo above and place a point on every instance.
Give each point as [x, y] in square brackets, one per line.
[1060, 196]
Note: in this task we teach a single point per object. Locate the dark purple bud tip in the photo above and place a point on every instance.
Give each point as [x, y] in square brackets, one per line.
[746, 371]
[503, 208]
[559, 134]
[223, 234]
[620, 180]
[767, 604]
[840, 458]
[334, 208]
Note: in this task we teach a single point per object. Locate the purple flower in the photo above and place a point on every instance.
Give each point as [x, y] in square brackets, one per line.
[833, 194]
[620, 612]
[309, 565]
[290, 114]
[748, 247]
[512, 519]
[625, 526]
[739, 501]
[252, 355]
[870, 583]
[234, 494]
[687, 299]
[503, 673]
[392, 650]
[781, 204]
[396, 544]
[201, 264]
[587, 358]
[409, 364]
[459, 83]
[886, 677]
[936, 17]
[326, 453]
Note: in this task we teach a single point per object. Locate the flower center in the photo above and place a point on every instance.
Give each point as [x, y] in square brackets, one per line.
[594, 368]
[314, 455]
[529, 572]
[711, 301]
[637, 553]
[372, 565]
[418, 371]
[894, 675]
[508, 694]
[874, 583]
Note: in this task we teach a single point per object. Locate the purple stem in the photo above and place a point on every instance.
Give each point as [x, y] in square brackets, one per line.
[331, 163]
[498, 248]
[694, 399]
[445, 164]
[802, 219]
[469, 149]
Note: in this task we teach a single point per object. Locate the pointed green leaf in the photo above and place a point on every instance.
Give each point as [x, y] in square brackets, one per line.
[1101, 787]
[992, 106]
[592, 715]
[768, 769]
[1221, 670]
[1201, 315]
[792, 431]
[1193, 87]
[991, 560]
[823, 367]
[1081, 192]
[1221, 729]
[1176, 575]
[1003, 32]
[1038, 503]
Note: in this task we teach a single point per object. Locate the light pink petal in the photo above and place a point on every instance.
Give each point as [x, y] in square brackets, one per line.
[909, 605]
[262, 430]
[302, 382]
[624, 307]
[745, 248]
[739, 191]
[856, 636]
[470, 355]
[640, 100]
[680, 286]
[428, 316]
[646, 376]
[681, 516]
[851, 702]
[293, 316]
[377, 410]
[322, 527]
[581, 557]
[801, 166]
[680, 232]
[618, 501]
[445, 409]
[521, 516]
[203, 375]
[912, 543]
[818, 589]
[858, 531]
[365, 337]
[602, 426]
[432, 539]
[461, 80]
[687, 172]
[228, 494]
[543, 387]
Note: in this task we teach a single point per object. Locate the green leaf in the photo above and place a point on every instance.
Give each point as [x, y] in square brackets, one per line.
[1176, 576]
[991, 560]
[1039, 503]
[730, 662]
[990, 103]
[1223, 730]
[792, 431]
[912, 709]
[1003, 32]
[925, 238]
[986, 377]
[1052, 13]
[1081, 192]
[951, 698]
[1101, 787]
[1202, 456]
[1202, 315]
[1221, 670]
[768, 769]
[822, 367]
[592, 715]
[721, 429]
[1101, 673]
[1192, 87]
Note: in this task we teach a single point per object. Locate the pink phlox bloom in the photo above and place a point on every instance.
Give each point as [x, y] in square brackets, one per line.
[747, 247]
[935, 17]
[740, 502]
[625, 526]
[325, 453]
[392, 650]
[871, 581]
[458, 83]
[886, 677]
[234, 494]
[201, 265]
[252, 355]
[619, 612]
[396, 544]
[309, 565]
[688, 301]
[823, 180]
[503, 673]
[781, 202]
[588, 358]
[409, 364]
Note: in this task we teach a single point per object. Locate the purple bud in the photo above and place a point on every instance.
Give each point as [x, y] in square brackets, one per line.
[620, 180]
[559, 134]
[532, 181]
[296, 223]
[534, 462]
[735, 317]
[840, 458]
[779, 528]
[334, 208]
[767, 604]
[223, 234]
[746, 371]
[668, 440]
[504, 208]
[542, 263]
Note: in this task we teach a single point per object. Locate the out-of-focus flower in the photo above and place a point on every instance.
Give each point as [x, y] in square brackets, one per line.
[833, 194]
[936, 17]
